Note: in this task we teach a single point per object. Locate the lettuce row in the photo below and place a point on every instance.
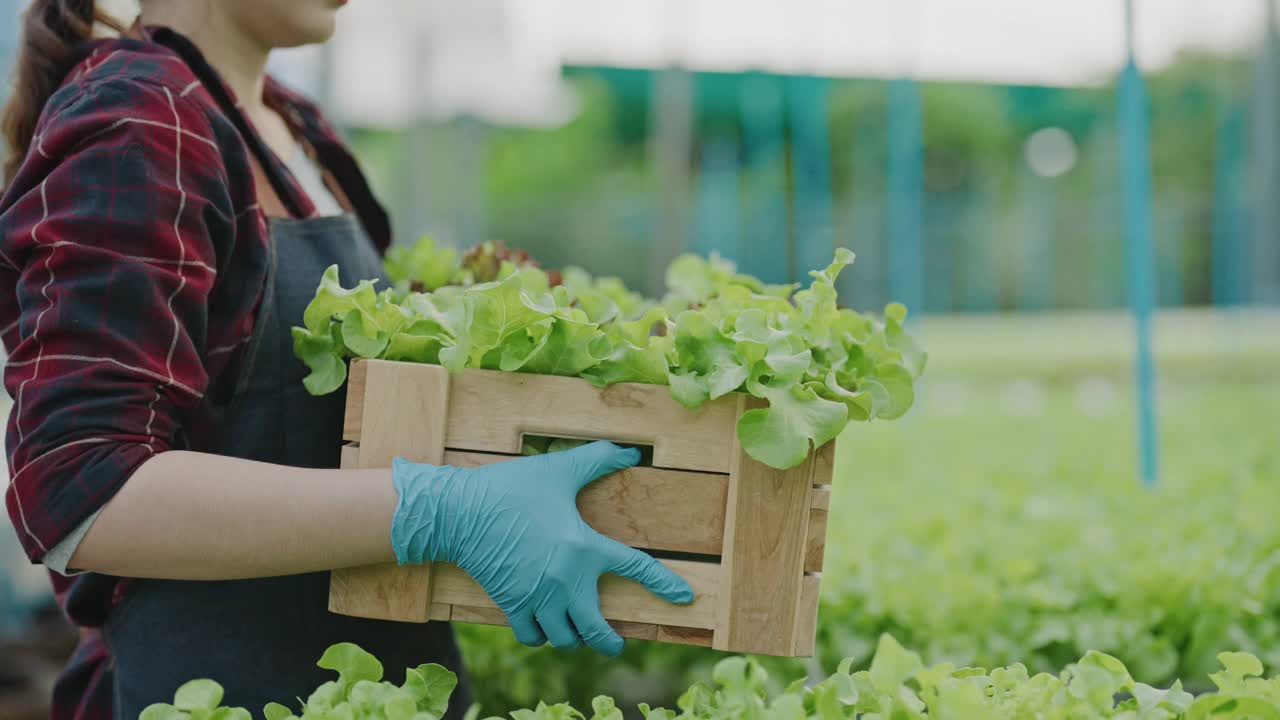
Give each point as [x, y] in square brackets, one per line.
[357, 694]
[818, 366]
[426, 263]
[897, 685]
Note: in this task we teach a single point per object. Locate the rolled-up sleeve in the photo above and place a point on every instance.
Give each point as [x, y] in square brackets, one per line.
[108, 238]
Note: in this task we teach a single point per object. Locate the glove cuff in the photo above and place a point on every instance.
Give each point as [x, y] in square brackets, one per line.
[415, 525]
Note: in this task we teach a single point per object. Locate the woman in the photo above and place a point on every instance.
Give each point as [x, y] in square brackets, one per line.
[167, 214]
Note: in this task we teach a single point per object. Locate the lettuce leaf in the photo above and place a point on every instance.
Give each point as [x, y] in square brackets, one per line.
[717, 332]
[896, 685]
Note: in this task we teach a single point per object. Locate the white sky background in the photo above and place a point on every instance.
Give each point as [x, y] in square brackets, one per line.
[394, 60]
[1055, 42]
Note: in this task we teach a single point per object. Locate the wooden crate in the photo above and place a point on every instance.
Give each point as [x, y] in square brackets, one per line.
[757, 534]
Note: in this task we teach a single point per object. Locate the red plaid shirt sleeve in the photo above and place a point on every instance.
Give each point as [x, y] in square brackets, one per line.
[108, 236]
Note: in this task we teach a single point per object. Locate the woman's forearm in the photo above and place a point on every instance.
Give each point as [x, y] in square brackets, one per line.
[194, 516]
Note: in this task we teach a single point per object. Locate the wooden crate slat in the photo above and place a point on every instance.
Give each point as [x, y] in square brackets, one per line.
[494, 616]
[635, 630]
[815, 548]
[769, 526]
[453, 586]
[405, 410]
[492, 410]
[824, 464]
[630, 630]
[651, 508]
[353, 419]
[816, 545]
[620, 599]
[404, 407]
[807, 620]
[684, 635]
[646, 507]
[821, 499]
[381, 592]
[477, 615]
[765, 539]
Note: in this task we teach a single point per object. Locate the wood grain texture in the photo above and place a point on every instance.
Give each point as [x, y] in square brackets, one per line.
[494, 616]
[490, 411]
[405, 412]
[477, 615]
[646, 507]
[620, 599]
[824, 463]
[821, 497]
[635, 630]
[404, 408]
[685, 635]
[351, 421]
[807, 619]
[765, 538]
[381, 592]
[816, 545]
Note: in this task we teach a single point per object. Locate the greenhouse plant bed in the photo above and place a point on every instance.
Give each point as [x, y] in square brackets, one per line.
[758, 533]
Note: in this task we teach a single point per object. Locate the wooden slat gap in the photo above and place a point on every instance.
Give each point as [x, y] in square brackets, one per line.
[478, 450]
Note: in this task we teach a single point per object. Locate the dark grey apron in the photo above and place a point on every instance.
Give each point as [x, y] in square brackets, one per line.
[261, 638]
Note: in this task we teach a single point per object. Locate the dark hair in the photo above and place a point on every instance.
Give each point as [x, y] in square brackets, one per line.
[52, 32]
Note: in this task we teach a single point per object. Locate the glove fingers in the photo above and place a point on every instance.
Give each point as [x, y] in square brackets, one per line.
[526, 630]
[597, 459]
[555, 623]
[658, 578]
[591, 625]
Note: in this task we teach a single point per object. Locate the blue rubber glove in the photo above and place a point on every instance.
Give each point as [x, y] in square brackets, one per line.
[514, 527]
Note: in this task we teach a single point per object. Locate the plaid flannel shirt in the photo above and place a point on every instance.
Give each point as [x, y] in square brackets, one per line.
[133, 254]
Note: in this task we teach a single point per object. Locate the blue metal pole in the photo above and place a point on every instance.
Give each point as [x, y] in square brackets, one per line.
[717, 210]
[906, 194]
[1136, 191]
[811, 150]
[765, 252]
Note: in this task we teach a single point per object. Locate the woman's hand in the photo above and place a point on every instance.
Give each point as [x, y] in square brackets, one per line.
[514, 527]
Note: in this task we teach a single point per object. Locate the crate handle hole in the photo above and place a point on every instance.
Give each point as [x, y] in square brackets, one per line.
[537, 443]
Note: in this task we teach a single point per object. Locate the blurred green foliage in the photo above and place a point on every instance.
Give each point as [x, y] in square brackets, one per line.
[585, 193]
[1002, 520]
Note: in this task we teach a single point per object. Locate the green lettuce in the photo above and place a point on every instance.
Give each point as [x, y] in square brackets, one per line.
[816, 365]
[424, 264]
[897, 686]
